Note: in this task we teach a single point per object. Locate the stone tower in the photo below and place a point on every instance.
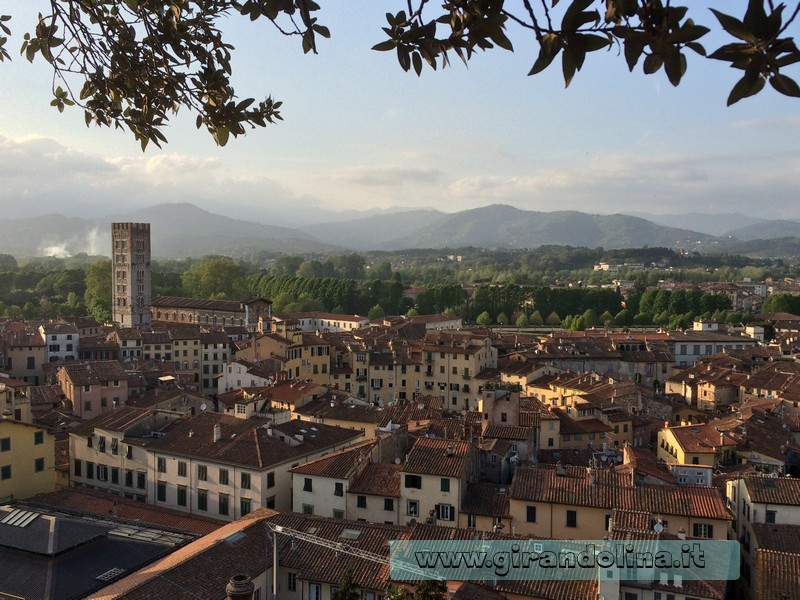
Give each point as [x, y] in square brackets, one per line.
[130, 277]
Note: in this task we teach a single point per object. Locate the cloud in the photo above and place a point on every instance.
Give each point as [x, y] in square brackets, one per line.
[632, 182]
[386, 176]
[781, 123]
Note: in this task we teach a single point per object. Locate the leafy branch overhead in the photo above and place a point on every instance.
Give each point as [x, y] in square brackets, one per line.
[133, 64]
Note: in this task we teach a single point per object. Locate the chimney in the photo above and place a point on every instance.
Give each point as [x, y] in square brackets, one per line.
[450, 450]
[240, 587]
[217, 432]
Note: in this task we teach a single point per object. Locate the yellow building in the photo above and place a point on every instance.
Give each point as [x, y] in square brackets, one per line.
[27, 460]
[699, 444]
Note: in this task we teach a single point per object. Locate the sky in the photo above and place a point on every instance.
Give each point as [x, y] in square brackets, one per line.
[359, 134]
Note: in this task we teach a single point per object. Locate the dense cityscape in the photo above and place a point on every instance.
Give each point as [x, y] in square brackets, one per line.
[264, 441]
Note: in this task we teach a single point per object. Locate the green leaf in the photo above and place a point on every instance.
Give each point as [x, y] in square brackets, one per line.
[323, 31]
[675, 66]
[417, 60]
[568, 67]
[698, 48]
[384, 46]
[755, 19]
[592, 43]
[403, 58]
[550, 47]
[221, 135]
[634, 46]
[734, 26]
[652, 63]
[750, 84]
[785, 85]
[499, 38]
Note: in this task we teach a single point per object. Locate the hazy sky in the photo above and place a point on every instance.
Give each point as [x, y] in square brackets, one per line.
[360, 133]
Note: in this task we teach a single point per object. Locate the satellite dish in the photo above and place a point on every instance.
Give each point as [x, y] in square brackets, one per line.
[658, 527]
[412, 522]
[397, 461]
[203, 407]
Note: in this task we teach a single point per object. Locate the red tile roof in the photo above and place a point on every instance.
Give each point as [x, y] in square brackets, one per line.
[446, 458]
[611, 490]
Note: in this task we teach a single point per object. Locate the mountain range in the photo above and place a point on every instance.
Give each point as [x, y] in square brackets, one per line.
[184, 230]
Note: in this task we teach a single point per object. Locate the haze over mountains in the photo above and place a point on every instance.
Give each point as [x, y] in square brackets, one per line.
[184, 230]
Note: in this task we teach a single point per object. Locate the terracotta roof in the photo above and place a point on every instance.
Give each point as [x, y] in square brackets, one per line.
[610, 490]
[486, 499]
[98, 372]
[247, 442]
[339, 465]
[783, 538]
[506, 432]
[446, 458]
[377, 479]
[773, 490]
[700, 438]
[118, 419]
[197, 304]
[85, 501]
[779, 574]
[202, 568]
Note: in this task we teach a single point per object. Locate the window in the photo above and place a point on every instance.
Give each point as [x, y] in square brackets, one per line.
[89, 470]
[128, 478]
[771, 514]
[307, 485]
[361, 501]
[181, 495]
[388, 504]
[102, 472]
[244, 506]
[414, 481]
[224, 504]
[314, 591]
[572, 518]
[271, 502]
[445, 484]
[504, 417]
[5, 472]
[101, 443]
[530, 514]
[161, 464]
[181, 468]
[115, 475]
[114, 446]
[202, 472]
[31, 362]
[703, 530]
[5, 444]
[38, 437]
[291, 582]
[413, 508]
[223, 477]
[141, 480]
[338, 514]
[338, 489]
[445, 512]
[161, 491]
[76, 467]
[202, 499]
[471, 521]
[271, 480]
[245, 483]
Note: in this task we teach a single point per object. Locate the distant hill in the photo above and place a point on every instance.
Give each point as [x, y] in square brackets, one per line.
[712, 224]
[767, 230]
[371, 233]
[177, 230]
[184, 230]
[504, 226]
